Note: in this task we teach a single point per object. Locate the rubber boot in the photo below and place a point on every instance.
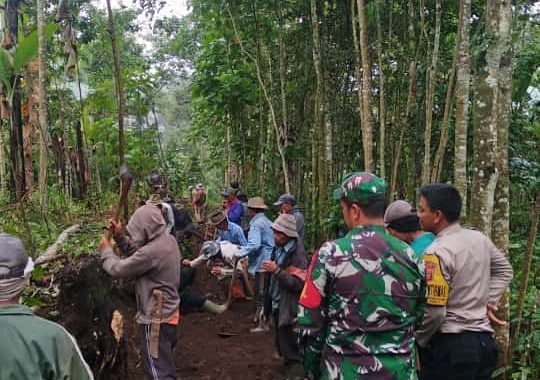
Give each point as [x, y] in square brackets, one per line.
[262, 326]
[213, 307]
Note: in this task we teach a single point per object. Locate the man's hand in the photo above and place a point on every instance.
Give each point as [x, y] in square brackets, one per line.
[186, 262]
[269, 266]
[104, 244]
[116, 226]
[491, 309]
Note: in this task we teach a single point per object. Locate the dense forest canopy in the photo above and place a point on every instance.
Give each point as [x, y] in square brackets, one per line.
[282, 96]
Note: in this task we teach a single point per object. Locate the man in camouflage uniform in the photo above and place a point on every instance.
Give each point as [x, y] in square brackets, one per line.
[364, 294]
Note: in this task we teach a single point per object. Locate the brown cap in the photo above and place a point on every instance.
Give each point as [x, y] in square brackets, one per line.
[217, 217]
[401, 211]
[256, 203]
[286, 223]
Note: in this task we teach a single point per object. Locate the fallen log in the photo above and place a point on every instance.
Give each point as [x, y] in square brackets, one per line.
[51, 253]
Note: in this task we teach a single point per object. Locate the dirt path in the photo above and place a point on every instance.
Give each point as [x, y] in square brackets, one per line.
[203, 355]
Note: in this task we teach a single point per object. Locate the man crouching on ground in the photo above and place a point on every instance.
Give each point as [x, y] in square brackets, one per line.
[153, 258]
[288, 273]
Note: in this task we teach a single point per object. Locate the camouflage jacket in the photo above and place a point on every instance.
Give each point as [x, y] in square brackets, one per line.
[363, 298]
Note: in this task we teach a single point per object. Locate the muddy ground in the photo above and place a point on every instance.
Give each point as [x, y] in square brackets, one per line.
[201, 353]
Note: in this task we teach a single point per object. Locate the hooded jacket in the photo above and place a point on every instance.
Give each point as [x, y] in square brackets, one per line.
[153, 258]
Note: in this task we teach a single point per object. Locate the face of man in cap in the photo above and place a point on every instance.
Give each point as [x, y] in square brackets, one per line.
[223, 225]
[285, 208]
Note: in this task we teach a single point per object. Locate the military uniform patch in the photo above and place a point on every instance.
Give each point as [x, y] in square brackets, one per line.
[437, 287]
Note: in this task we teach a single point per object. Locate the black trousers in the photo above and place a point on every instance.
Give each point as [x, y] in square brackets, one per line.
[461, 356]
[287, 345]
[162, 368]
[190, 301]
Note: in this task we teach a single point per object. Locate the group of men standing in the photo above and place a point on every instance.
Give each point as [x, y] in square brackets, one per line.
[371, 301]
[401, 284]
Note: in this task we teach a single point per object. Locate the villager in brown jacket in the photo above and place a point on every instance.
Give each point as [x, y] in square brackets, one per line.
[153, 258]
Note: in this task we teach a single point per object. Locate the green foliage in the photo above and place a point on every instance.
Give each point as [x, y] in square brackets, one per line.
[27, 47]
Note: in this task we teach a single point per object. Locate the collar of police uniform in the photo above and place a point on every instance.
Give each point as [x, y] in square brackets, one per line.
[15, 309]
[451, 228]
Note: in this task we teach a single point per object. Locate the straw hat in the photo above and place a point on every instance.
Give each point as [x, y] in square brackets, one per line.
[256, 203]
[286, 223]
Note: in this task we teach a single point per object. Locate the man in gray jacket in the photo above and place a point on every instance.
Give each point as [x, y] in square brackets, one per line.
[287, 205]
[151, 256]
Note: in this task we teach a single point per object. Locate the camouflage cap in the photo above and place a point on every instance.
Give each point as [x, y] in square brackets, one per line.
[360, 186]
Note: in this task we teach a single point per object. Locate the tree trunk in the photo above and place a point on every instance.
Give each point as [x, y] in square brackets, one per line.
[11, 23]
[16, 141]
[382, 94]
[430, 94]
[486, 123]
[438, 160]
[81, 143]
[273, 118]
[43, 119]
[462, 103]
[526, 268]
[3, 174]
[119, 87]
[358, 71]
[406, 122]
[367, 131]
[320, 108]
[501, 213]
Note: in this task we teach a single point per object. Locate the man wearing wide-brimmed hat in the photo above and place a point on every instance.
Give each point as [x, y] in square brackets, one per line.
[31, 347]
[227, 230]
[287, 269]
[259, 246]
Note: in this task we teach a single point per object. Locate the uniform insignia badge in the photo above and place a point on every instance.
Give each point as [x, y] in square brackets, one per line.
[437, 287]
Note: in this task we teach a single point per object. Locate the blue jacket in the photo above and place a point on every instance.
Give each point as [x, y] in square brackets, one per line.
[235, 212]
[260, 242]
[233, 234]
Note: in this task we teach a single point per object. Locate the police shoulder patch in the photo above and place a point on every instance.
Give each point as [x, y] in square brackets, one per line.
[437, 286]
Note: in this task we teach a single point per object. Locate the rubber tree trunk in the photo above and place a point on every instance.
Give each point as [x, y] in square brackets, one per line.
[430, 94]
[382, 93]
[43, 117]
[501, 213]
[367, 128]
[320, 109]
[16, 141]
[357, 68]
[463, 79]
[3, 173]
[273, 118]
[526, 268]
[411, 96]
[119, 87]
